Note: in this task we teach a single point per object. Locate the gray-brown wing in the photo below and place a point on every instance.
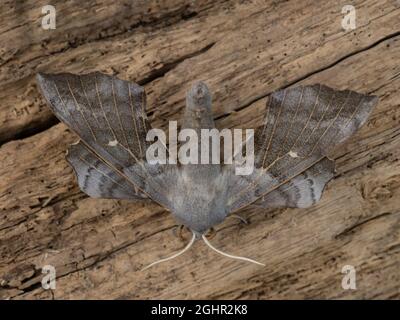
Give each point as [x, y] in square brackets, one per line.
[302, 191]
[97, 179]
[301, 126]
[109, 116]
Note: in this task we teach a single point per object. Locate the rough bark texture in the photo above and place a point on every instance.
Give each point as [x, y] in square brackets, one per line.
[244, 50]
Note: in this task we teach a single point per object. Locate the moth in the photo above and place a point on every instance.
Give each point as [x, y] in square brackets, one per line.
[291, 167]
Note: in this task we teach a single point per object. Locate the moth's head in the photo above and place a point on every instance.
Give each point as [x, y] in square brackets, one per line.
[199, 211]
[198, 97]
[200, 221]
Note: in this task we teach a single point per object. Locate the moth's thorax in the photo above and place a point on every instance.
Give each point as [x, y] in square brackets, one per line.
[198, 119]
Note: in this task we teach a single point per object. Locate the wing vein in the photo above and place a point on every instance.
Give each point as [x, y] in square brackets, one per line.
[330, 124]
[289, 129]
[266, 117]
[322, 117]
[274, 128]
[65, 106]
[355, 111]
[118, 114]
[81, 112]
[308, 119]
[88, 102]
[102, 108]
[134, 120]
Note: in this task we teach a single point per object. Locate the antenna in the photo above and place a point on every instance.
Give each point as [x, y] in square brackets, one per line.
[175, 255]
[229, 255]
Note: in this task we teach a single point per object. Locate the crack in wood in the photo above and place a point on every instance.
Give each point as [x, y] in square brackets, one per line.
[358, 225]
[167, 67]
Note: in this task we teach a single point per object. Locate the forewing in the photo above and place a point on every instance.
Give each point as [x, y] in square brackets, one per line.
[109, 116]
[301, 126]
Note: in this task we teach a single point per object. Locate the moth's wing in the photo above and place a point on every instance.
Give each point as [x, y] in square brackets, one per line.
[109, 116]
[302, 191]
[301, 126]
[97, 179]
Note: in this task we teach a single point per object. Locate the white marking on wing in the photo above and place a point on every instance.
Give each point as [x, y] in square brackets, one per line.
[112, 143]
[293, 154]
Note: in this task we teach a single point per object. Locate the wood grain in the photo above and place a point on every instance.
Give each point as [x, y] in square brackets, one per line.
[244, 50]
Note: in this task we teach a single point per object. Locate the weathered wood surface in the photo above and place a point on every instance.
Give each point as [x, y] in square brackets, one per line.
[244, 50]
